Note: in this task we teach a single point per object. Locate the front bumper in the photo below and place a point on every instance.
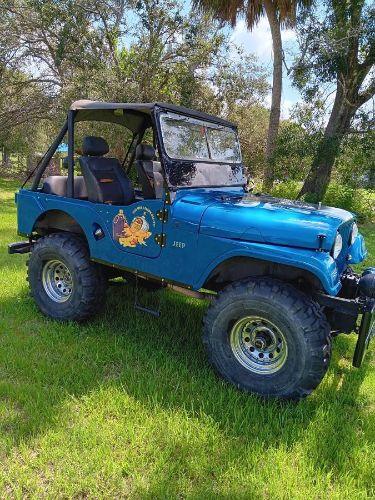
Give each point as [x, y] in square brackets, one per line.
[365, 334]
[344, 312]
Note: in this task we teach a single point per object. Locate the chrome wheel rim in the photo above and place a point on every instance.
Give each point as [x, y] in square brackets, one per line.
[258, 345]
[57, 281]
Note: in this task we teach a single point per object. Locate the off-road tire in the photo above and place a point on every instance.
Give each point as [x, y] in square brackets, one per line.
[88, 280]
[298, 317]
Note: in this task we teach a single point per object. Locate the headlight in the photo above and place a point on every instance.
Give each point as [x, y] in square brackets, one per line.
[354, 234]
[337, 246]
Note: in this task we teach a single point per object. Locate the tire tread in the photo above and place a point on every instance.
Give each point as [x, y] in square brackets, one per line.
[93, 282]
[315, 327]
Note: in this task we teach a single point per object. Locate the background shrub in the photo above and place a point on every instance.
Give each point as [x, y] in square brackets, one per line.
[357, 200]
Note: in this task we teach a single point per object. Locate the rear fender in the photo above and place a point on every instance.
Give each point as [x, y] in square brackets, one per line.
[38, 210]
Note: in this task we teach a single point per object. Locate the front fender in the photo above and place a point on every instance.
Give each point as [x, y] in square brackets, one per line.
[357, 251]
[320, 264]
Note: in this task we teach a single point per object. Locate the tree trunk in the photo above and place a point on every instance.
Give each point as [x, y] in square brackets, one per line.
[30, 161]
[316, 183]
[6, 158]
[371, 180]
[274, 120]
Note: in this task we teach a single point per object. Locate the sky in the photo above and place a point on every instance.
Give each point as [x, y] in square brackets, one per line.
[259, 42]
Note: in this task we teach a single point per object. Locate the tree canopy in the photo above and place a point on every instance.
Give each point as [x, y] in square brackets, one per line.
[337, 54]
[54, 52]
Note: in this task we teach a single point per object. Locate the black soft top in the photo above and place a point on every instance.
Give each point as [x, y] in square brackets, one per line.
[132, 115]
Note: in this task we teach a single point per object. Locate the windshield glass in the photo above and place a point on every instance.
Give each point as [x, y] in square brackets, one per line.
[191, 139]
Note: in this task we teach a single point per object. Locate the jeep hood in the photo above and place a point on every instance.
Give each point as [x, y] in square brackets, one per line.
[264, 219]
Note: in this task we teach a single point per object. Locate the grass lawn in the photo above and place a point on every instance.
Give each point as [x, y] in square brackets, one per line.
[126, 406]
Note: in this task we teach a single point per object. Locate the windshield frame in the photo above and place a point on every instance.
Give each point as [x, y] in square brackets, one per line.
[207, 125]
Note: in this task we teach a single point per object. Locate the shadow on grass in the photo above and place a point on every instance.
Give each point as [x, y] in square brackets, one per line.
[160, 363]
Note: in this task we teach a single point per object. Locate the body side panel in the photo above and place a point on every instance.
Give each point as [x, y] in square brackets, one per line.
[178, 261]
[175, 262]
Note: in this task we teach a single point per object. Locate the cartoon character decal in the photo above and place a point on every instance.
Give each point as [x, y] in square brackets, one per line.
[137, 231]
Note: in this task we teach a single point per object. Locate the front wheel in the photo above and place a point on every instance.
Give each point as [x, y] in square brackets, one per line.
[266, 337]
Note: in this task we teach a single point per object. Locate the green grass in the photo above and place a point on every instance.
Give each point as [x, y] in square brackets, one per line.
[126, 406]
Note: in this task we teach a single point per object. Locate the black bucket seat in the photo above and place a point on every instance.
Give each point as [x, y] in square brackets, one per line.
[106, 181]
[149, 171]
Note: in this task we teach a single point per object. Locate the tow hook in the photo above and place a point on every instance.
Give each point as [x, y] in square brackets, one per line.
[366, 284]
[366, 288]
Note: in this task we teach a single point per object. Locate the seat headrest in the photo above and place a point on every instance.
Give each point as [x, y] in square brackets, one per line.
[94, 146]
[145, 152]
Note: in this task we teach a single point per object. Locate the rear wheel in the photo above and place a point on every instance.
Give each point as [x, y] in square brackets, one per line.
[266, 337]
[63, 281]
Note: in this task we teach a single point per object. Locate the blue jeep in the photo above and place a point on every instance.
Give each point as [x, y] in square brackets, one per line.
[277, 272]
